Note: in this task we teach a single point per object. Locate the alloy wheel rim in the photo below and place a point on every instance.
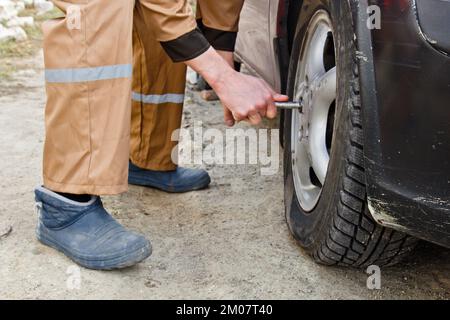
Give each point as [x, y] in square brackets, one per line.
[315, 85]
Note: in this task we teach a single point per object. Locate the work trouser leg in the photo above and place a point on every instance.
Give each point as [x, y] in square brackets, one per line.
[88, 56]
[159, 84]
[157, 100]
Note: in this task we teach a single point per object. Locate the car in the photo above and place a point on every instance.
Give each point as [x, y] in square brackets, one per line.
[367, 160]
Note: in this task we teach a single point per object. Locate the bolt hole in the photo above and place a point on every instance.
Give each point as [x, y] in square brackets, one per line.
[330, 126]
[314, 180]
[329, 58]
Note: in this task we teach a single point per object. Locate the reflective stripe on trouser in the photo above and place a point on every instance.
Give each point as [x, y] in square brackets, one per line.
[88, 60]
[157, 100]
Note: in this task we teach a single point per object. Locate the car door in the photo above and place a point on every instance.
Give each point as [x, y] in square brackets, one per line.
[255, 44]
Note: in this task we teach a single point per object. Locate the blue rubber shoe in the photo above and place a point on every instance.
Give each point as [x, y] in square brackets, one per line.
[176, 181]
[86, 233]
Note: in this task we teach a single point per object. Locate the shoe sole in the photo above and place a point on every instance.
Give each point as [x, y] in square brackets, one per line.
[203, 184]
[130, 259]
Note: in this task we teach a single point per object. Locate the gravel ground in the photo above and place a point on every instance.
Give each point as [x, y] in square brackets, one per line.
[227, 242]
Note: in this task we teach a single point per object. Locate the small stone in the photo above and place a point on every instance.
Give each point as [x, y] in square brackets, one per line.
[20, 22]
[25, 73]
[36, 251]
[43, 6]
[192, 77]
[5, 231]
[151, 283]
[5, 34]
[7, 10]
[19, 5]
[19, 34]
[28, 3]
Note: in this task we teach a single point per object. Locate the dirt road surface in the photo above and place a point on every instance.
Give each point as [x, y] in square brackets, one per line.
[227, 242]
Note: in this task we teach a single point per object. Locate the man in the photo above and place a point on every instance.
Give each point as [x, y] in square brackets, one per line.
[88, 59]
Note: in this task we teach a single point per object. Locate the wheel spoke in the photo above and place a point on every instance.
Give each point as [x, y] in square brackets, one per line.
[319, 155]
[324, 93]
[303, 164]
[315, 65]
[302, 89]
[324, 87]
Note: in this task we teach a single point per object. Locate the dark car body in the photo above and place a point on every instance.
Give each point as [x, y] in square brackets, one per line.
[405, 81]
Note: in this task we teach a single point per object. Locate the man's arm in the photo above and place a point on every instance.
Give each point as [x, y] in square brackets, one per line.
[244, 97]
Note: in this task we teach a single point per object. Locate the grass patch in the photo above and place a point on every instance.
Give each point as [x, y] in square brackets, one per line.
[6, 70]
[52, 14]
[13, 49]
[55, 13]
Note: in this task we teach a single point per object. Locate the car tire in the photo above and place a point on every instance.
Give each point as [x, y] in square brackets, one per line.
[337, 228]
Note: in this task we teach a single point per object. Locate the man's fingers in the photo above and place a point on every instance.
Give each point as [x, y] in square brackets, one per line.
[254, 119]
[280, 97]
[238, 117]
[262, 107]
[271, 109]
[228, 117]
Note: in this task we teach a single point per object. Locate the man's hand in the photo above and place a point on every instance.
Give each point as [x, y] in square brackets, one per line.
[244, 98]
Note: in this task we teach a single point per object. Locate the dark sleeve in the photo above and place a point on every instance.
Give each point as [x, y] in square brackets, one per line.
[187, 46]
[219, 39]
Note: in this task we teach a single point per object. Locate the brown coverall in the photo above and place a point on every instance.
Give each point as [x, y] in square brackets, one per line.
[109, 61]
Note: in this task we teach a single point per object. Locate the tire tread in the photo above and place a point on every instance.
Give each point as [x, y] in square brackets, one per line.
[354, 238]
